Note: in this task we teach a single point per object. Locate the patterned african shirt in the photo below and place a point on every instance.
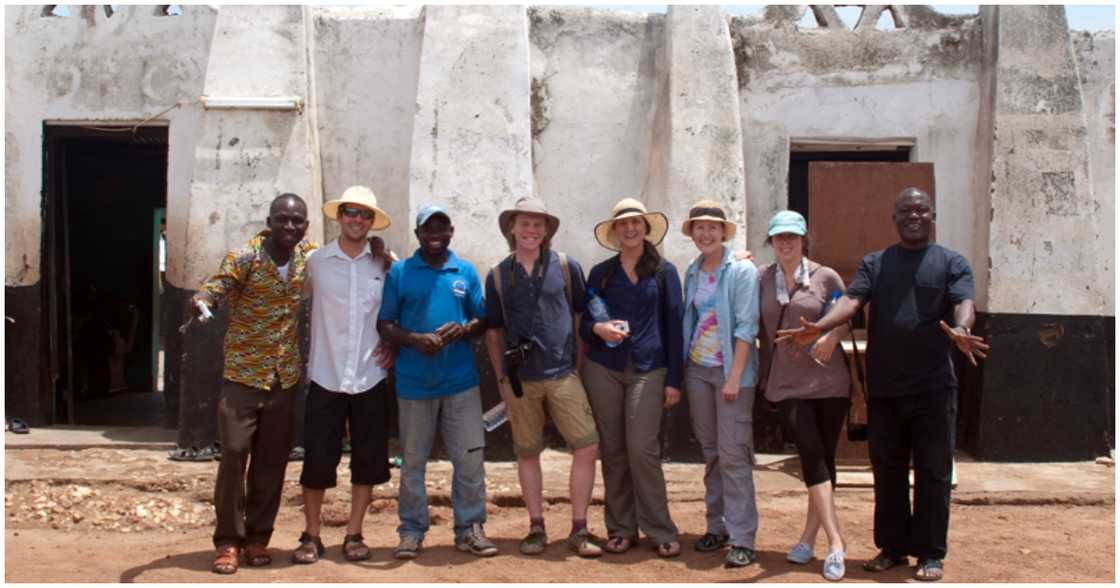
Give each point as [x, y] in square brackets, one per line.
[262, 338]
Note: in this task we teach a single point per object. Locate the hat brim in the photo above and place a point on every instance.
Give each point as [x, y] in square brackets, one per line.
[505, 220]
[658, 227]
[729, 227]
[381, 219]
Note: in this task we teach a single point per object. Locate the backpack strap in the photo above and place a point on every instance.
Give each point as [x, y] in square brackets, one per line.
[566, 270]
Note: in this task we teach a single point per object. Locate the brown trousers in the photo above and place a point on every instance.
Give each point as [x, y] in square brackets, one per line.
[256, 424]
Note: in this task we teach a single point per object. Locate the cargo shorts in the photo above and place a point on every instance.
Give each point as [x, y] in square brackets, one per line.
[568, 407]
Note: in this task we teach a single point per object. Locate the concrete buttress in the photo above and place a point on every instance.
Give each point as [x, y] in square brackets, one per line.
[471, 136]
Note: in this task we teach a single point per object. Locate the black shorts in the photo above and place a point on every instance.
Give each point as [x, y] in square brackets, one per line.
[325, 422]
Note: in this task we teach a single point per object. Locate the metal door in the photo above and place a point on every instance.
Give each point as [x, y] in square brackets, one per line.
[850, 207]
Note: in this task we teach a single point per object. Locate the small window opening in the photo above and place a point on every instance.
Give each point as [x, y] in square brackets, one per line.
[56, 10]
[886, 21]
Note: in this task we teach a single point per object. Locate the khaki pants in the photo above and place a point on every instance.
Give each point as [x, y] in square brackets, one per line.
[627, 408]
[255, 428]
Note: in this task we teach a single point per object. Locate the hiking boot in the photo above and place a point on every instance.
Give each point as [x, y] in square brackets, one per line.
[739, 557]
[535, 542]
[711, 542]
[475, 541]
[408, 548]
[585, 544]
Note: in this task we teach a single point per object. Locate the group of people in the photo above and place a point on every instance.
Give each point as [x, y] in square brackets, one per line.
[602, 357]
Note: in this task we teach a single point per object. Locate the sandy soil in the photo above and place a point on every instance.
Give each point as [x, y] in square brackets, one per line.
[131, 515]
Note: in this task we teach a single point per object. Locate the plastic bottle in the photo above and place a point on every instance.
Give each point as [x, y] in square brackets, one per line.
[495, 417]
[597, 307]
[832, 300]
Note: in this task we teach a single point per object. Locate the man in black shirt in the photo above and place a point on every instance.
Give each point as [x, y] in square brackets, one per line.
[914, 288]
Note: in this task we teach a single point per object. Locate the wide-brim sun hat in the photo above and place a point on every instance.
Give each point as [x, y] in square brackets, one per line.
[528, 205]
[709, 210]
[787, 221]
[626, 208]
[360, 196]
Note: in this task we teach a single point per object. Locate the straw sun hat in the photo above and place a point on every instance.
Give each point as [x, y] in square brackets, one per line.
[626, 208]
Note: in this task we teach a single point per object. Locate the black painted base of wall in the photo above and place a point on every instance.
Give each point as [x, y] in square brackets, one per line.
[26, 385]
[1046, 391]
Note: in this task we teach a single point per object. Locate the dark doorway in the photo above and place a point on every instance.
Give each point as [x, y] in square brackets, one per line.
[105, 192]
[799, 169]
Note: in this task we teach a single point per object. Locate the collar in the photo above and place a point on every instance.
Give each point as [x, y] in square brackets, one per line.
[451, 265]
[334, 248]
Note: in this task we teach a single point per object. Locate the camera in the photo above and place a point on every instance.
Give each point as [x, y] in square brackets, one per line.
[515, 356]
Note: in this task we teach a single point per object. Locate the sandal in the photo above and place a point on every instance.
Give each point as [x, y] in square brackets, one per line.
[19, 426]
[354, 548]
[309, 551]
[256, 555]
[884, 562]
[619, 544]
[226, 561]
[669, 549]
[929, 570]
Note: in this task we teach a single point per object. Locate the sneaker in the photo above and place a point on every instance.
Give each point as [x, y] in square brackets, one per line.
[408, 548]
[710, 542]
[833, 566]
[739, 557]
[475, 541]
[585, 544]
[535, 542]
[800, 554]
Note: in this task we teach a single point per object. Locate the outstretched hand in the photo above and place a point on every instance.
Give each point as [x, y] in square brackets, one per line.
[801, 336]
[972, 346]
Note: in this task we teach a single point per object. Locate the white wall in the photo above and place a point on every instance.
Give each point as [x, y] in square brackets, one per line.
[367, 63]
[920, 84]
[89, 68]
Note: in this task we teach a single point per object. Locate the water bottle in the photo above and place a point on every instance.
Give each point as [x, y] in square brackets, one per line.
[495, 417]
[832, 300]
[597, 307]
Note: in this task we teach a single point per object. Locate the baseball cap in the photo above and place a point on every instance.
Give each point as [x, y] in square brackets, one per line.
[428, 212]
[787, 221]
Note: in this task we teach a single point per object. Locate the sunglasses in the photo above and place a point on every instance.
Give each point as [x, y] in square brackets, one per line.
[355, 212]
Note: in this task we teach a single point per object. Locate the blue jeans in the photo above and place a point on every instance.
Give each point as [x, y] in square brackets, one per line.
[459, 420]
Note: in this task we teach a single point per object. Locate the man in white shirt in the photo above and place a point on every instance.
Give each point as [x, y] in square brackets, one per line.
[348, 385]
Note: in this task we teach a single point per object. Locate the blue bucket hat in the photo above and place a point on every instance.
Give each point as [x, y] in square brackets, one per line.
[787, 221]
[428, 212]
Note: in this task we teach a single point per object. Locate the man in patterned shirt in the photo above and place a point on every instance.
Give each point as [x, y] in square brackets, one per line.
[261, 283]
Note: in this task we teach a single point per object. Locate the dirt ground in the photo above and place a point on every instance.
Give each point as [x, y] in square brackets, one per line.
[130, 515]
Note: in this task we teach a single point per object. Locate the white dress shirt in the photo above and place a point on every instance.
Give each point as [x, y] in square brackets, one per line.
[345, 300]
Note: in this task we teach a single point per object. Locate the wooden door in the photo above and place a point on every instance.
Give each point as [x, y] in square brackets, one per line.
[850, 205]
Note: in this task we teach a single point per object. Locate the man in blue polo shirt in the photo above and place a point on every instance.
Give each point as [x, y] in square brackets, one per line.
[431, 306]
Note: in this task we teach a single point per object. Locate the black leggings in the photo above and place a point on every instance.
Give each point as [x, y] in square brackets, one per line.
[814, 426]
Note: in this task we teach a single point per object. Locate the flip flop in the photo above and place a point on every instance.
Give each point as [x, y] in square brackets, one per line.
[669, 549]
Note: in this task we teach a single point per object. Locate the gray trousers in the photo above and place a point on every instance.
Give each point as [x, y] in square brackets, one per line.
[627, 409]
[725, 431]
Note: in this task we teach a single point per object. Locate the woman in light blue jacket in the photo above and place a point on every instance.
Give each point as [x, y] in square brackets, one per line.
[720, 325]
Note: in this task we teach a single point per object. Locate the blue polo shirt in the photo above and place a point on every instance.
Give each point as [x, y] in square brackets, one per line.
[420, 299]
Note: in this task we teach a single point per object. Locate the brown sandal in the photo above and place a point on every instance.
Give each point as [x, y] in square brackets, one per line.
[354, 548]
[256, 555]
[669, 549]
[618, 544]
[226, 561]
[309, 551]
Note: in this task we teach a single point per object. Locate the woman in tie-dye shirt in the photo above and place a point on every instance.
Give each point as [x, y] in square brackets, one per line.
[720, 325]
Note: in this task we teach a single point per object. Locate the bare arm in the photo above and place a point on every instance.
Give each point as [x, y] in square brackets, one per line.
[426, 343]
[972, 346]
[738, 364]
[842, 312]
[495, 345]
